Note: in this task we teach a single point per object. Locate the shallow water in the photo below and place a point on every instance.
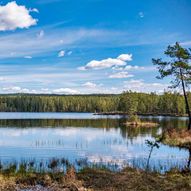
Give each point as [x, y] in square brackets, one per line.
[85, 137]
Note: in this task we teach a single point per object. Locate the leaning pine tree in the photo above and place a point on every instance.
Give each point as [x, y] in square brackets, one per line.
[178, 66]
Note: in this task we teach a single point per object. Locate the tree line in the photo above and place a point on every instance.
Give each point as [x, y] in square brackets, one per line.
[128, 102]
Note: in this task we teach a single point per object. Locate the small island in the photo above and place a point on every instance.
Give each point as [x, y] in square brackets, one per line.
[135, 121]
[141, 124]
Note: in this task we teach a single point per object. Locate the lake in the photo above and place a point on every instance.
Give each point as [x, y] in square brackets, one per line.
[86, 139]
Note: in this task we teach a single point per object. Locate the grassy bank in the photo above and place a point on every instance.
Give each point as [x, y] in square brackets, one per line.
[96, 180]
[178, 138]
[48, 181]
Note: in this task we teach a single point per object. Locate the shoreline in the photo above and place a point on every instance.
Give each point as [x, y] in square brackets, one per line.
[142, 114]
[100, 113]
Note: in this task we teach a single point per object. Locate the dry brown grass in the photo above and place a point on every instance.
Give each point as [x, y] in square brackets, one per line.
[134, 180]
[48, 182]
[181, 138]
[100, 180]
[7, 183]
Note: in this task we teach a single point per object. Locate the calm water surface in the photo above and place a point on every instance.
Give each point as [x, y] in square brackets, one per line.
[85, 137]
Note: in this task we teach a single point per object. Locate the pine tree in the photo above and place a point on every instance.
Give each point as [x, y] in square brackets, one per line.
[177, 67]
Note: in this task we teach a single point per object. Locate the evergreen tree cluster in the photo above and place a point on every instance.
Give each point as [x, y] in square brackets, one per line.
[129, 102]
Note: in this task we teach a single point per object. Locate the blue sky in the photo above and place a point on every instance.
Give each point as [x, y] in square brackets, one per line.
[88, 46]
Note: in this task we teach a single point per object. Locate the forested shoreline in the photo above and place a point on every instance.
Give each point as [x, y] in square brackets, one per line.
[142, 103]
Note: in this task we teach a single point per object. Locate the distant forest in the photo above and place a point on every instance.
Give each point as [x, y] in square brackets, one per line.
[142, 103]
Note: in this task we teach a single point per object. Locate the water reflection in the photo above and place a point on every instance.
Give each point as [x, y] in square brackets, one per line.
[97, 140]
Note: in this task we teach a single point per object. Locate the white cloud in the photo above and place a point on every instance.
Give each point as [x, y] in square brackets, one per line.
[61, 53]
[125, 57]
[65, 91]
[91, 88]
[128, 67]
[121, 75]
[107, 63]
[82, 68]
[89, 85]
[2, 79]
[34, 10]
[13, 16]
[186, 43]
[141, 86]
[16, 89]
[28, 57]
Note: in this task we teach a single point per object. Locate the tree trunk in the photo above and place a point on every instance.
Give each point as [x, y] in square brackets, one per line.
[186, 100]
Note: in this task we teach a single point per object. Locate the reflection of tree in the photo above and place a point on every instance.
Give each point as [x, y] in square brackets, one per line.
[165, 122]
[133, 132]
[25, 123]
[173, 123]
[107, 123]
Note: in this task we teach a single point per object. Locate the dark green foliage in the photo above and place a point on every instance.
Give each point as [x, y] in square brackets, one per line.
[51, 103]
[178, 66]
[134, 118]
[128, 102]
[168, 103]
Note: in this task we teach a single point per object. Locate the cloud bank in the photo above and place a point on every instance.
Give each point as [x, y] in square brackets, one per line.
[141, 86]
[17, 89]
